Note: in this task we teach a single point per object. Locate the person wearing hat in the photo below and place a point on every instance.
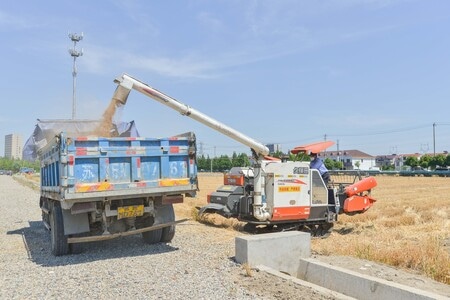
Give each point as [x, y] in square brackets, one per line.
[317, 163]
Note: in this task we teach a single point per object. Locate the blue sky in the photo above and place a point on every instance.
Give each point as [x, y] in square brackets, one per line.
[371, 75]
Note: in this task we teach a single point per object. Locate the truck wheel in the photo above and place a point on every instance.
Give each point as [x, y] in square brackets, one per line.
[76, 248]
[167, 234]
[152, 237]
[59, 240]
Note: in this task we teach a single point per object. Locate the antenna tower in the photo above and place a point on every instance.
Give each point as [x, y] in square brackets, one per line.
[75, 54]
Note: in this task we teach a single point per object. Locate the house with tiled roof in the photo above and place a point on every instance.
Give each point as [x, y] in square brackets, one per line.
[386, 160]
[352, 159]
[396, 160]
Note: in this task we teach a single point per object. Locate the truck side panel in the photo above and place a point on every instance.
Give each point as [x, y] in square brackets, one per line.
[88, 165]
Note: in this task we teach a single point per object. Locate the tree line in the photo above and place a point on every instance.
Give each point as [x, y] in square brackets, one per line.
[428, 161]
[15, 165]
[224, 163]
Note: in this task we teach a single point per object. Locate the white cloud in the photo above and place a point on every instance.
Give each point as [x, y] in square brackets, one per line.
[102, 60]
[181, 67]
[98, 59]
[270, 29]
[10, 21]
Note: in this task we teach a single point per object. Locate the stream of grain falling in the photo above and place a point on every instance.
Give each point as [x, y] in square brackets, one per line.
[105, 129]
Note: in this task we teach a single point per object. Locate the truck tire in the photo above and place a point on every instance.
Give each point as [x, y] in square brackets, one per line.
[152, 237]
[58, 238]
[165, 234]
[76, 248]
[168, 232]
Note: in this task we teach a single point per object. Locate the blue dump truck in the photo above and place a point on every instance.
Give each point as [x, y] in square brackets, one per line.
[97, 188]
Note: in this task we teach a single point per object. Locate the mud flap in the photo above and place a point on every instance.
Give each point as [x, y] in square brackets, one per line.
[74, 224]
[164, 214]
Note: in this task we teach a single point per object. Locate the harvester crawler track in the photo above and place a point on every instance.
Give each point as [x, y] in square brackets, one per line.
[318, 230]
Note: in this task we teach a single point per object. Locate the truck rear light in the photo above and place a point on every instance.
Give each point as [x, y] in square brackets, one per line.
[208, 198]
[81, 151]
[71, 160]
[174, 149]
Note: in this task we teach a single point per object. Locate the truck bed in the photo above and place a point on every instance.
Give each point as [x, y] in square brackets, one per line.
[75, 169]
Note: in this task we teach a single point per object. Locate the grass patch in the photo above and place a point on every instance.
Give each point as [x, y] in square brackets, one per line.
[408, 228]
[248, 270]
[31, 181]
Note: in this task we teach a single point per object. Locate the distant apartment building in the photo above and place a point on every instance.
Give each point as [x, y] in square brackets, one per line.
[13, 146]
[273, 148]
[352, 159]
[395, 160]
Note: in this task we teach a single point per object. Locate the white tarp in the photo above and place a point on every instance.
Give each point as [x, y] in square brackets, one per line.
[46, 130]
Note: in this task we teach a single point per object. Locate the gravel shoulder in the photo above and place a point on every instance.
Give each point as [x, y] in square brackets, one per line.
[197, 264]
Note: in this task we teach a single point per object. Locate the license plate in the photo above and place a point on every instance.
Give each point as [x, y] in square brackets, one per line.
[130, 211]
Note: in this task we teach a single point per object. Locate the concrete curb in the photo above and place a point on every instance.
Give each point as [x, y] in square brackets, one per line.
[289, 253]
[318, 288]
[358, 285]
[280, 250]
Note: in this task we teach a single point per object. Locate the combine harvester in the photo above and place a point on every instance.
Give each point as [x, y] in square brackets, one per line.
[272, 194]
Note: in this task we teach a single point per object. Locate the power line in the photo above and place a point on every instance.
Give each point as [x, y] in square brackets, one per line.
[286, 144]
[337, 135]
[383, 132]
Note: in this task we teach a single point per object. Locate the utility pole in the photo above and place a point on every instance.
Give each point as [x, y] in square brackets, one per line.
[434, 139]
[338, 154]
[75, 53]
[424, 148]
[212, 159]
[200, 149]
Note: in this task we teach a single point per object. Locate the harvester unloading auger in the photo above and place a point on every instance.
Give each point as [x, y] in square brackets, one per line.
[278, 195]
